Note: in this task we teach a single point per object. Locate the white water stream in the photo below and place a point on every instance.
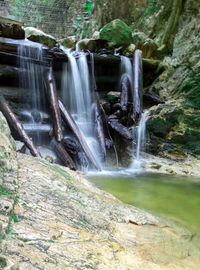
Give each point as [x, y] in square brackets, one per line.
[30, 59]
[76, 94]
[140, 130]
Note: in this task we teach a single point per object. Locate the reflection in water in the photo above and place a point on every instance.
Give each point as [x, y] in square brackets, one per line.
[172, 197]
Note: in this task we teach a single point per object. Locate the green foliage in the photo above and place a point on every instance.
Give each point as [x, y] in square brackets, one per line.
[82, 27]
[5, 191]
[151, 8]
[2, 262]
[88, 6]
[14, 218]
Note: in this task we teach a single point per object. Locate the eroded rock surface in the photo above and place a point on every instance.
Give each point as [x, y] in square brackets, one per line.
[51, 218]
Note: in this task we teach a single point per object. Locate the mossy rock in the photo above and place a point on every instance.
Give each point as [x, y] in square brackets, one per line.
[117, 33]
[145, 44]
[68, 42]
[158, 126]
[11, 30]
[37, 35]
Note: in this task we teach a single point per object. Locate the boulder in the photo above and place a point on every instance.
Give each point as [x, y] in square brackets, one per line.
[11, 29]
[39, 36]
[96, 35]
[83, 44]
[117, 33]
[92, 45]
[129, 51]
[68, 42]
[113, 97]
[145, 44]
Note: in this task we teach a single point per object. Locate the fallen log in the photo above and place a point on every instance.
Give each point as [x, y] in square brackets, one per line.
[15, 123]
[151, 99]
[99, 124]
[77, 133]
[74, 149]
[137, 85]
[53, 98]
[63, 155]
[120, 129]
[125, 90]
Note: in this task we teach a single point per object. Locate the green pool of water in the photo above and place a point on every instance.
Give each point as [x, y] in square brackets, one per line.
[173, 197]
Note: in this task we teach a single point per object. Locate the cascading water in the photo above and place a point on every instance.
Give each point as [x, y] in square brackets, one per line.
[30, 59]
[136, 86]
[141, 136]
[126, 68]
[76, 94]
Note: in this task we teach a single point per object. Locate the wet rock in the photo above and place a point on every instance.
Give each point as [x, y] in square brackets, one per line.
[151, 99]
[20, 146]
[68, 42]
[113, 97]
[11, 29]
[129, 51]
[106, 106]
[174, 128]
[145, 44]
[92, 45]
[36, 116]
[96, 35]
[159, 126]
[39, 36]
[49, 159]
[117, 33]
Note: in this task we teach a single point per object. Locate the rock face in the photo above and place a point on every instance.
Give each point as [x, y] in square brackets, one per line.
[51, 218]
[117, 33]
[37, 35]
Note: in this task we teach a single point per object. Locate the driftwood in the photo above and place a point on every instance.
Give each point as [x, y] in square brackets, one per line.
[77, 133]
[63, 155]
[137, 84]
[151, 99]
[75, 150]
[53, 98]
[15, 123]
[120, 129]
[99, 124]
[125, 90]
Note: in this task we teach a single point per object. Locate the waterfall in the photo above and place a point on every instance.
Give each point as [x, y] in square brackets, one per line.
[31, 78]
[141, 136]
[126, 68]
[76, 94]
[134, 73]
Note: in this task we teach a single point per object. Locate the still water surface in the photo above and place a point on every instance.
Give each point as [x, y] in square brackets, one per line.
[177, 198]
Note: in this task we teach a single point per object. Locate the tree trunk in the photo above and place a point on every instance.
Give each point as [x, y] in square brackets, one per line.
[120, 129]
[53, 98]
[99, 124]
[14, 122]
[63, 155]
[137, 85]
[125, 90]
[77, 133]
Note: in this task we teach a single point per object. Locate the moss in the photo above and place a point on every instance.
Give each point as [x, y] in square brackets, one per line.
[3, 263]
[159, 127]
[191, 89]
[116, 33]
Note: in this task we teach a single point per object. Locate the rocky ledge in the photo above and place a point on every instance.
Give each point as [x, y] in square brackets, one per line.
[52, 218]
